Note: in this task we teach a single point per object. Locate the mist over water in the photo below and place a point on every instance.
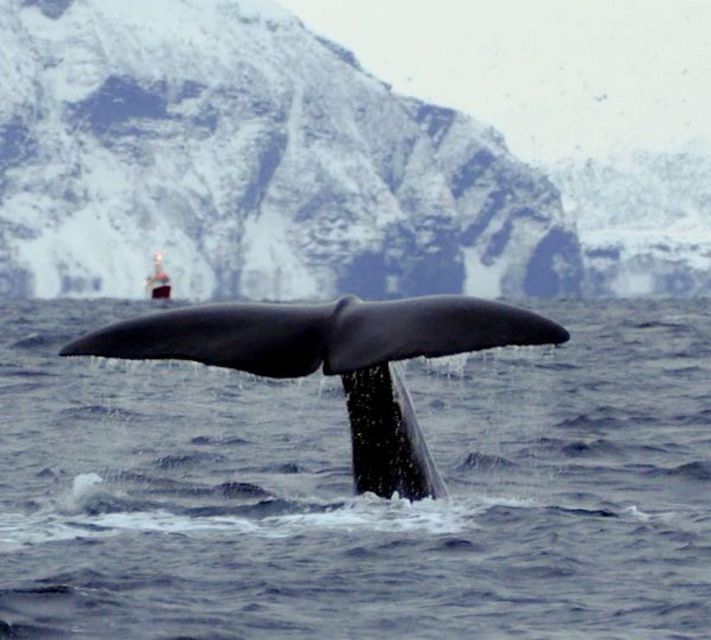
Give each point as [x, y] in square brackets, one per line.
[166, 499]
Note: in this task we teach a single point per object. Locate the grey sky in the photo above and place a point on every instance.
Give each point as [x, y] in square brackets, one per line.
[557, 77]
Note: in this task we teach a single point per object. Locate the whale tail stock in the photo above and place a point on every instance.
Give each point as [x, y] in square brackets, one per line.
[351, 338]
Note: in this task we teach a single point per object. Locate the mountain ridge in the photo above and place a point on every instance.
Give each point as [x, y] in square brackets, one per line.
[643, 220]
[258, 156]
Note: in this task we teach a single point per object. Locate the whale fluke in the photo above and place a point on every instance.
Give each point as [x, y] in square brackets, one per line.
[354, 339]
[369, 333]
[274, 340]
[291, 340]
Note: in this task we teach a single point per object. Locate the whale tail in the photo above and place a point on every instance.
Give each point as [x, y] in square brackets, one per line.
[289, 340]
[354, 339]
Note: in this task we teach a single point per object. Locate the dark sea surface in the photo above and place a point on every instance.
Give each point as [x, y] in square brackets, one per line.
[171, 500]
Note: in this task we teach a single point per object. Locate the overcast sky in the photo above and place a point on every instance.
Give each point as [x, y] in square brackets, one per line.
[557, 77]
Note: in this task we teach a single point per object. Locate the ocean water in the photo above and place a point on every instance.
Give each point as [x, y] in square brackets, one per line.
[172, 500]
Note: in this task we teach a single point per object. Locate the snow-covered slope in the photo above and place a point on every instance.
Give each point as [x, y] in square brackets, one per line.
[256, 155]
[644, 222]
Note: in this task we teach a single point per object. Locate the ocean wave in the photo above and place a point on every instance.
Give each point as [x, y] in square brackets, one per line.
[187, 459]
[36, 340]
[659, 324]
[697, 470]
[270, 508]
[578, 511]
[94, 411]
[11, 631]
[594, 449]
[587, 422]
[12, 371]
[477, 461]
[545, 457]
[222, 442]
[275, 518]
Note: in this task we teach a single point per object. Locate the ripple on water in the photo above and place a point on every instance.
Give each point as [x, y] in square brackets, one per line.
[477, 461]
[699, 470]
[207, 494]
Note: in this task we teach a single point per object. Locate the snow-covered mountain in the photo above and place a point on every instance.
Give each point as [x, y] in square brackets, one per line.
[644, 221]
[259, 157]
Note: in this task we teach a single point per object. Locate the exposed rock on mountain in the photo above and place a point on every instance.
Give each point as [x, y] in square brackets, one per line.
[259, 157]
[644, 222]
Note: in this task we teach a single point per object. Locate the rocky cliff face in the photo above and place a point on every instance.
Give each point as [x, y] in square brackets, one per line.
[257, 156]
[644, 222]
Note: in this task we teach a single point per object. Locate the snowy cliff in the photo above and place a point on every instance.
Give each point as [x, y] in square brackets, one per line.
[644, 222]
[259, 157]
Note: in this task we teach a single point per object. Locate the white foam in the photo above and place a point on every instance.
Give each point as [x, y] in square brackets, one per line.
[636, 513]
[370, 513]
[167, 522]
[366, 513]
[84, 486]
[18, 531]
